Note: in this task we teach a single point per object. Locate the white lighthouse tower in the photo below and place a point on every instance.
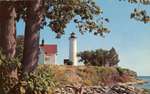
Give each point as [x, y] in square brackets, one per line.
[73, 49]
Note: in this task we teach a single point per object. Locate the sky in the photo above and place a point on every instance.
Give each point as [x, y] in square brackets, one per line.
[130, 38]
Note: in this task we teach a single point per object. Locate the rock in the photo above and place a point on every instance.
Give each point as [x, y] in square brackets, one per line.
[116, 89]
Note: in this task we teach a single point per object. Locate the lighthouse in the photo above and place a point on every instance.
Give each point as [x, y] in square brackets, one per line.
[73, 48]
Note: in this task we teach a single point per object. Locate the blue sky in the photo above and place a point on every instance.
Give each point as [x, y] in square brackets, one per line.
[130, 38]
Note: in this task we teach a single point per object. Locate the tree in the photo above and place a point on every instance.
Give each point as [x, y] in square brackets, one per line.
[8, 34]
[140, 14]
[19, 47]
[31, 41]
[99, 57]
[60, 13]
[34, 13]
[7, 29]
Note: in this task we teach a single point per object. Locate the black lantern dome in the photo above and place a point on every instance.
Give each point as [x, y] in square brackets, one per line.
[73, 35]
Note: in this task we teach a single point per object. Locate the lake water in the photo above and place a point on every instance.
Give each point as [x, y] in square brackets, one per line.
[145, 85]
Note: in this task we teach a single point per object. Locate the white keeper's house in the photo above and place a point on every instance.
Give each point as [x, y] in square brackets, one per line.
[48, 53]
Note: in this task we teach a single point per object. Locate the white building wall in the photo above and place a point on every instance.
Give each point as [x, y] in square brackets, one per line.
[41, 56]
[50, 59]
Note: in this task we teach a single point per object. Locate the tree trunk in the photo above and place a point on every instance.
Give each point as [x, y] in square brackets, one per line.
[31, 41]
[8, 34]
[7, 30]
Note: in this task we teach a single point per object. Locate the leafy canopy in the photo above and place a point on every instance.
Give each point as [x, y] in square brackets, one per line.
[56, 14]
[99, 57]
[140, 14]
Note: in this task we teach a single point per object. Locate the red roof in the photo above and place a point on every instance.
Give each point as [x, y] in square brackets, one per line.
[49, 49]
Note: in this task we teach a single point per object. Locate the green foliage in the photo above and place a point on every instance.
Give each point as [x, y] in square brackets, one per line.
[39, 81]
[123, 71]
[19, 52]
[86, 15]
[7, 78]
[96, 75]
[19, 47]
[145, 2]
[99, 57]
[147, 91]
[107, 75]
[62, 12]
[140, 14]
[88, 75]
[69, 63]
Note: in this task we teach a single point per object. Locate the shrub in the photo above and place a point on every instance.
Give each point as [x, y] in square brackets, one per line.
[88, 75]
[120, 70]
[68, 62]
[39, 81]
[126, 71]
[8, 74]
[107, 75]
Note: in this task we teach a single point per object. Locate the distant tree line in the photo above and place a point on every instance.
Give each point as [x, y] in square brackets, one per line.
[99, 57]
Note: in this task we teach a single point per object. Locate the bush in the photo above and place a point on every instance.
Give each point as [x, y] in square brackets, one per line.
[88, 75]
[8, 73]
[68, 62]
[39, 81]
[123, 71]
[120, 70]
[107, 75]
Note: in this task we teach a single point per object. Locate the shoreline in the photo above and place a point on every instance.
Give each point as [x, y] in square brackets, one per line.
[138, 81]
[115, 89]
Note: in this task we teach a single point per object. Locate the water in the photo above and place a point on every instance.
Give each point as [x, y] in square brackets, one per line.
[145, 85]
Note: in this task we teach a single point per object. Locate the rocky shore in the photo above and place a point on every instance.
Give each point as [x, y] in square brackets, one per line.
[95, 80]
[134, 82]
[115, 89]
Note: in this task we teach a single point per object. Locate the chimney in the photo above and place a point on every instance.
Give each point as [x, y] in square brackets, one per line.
[42, 42]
